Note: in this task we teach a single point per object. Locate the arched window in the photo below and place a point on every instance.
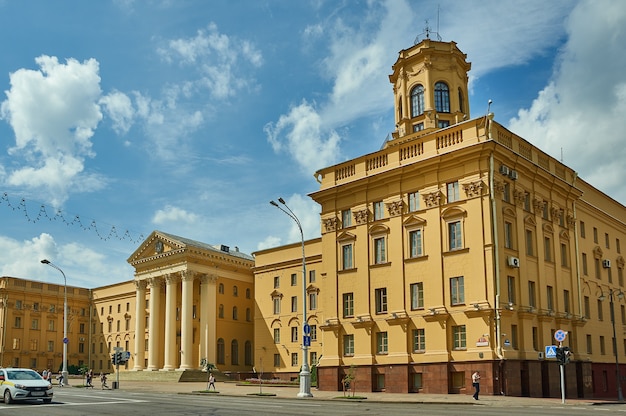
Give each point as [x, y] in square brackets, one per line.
[248, 353]
[248, 315]
[461, 102]
[220, 311]
[417, 101]
[248, 293]
[442, 97]
[220, 351]
[235, 291]
[234, 352]
[235, 314]
[220, 288]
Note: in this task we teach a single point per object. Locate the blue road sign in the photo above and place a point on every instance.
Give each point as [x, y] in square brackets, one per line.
[560, 335]
[550, 351]
[66, 340]
[307, 341]
[306, 329]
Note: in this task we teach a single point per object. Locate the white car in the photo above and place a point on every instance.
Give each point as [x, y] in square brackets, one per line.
[24, 384]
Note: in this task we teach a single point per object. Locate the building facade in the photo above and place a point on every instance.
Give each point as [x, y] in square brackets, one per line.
[457, 247]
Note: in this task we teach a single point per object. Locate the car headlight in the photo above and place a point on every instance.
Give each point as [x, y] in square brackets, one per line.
[20, 386]
[49, 386]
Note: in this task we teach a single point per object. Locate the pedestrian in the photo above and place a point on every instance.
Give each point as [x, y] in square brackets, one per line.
[89, 378]
[476, 384]
[211, 382]
[44, 374]
[61, 380]
[103, 381]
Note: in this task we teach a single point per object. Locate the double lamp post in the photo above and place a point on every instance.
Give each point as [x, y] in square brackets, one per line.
[64, 373]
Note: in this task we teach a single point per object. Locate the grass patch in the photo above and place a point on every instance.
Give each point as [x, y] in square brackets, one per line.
[261, 394]
[351, 397]
[207, 391]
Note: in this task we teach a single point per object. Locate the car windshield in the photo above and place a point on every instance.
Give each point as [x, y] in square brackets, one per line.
[22, 375]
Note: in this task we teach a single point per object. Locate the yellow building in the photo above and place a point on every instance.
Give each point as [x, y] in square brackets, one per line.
[457, 247]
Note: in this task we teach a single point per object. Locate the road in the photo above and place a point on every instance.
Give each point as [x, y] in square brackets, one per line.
[70, 402]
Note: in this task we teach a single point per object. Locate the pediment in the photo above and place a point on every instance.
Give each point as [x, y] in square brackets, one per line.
[414, 220]
[346, 236]
[157, 243]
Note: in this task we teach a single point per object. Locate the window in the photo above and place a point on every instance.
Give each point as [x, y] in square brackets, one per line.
[313, 332]
[461, 102]
[511, 288]
[18, 322]
[414, 201]
[276, 282]
[606, 240]
[458, 335]
[418, 127]
[457, 293]
[348, 345]
[514, 343]
[600, 311]
[582, 229]
[221, 353]
[381, 300]
[248, 353]
[532, 300]
[535, 338]
[346, 256]
[587, 307]
[276, 302]
[443, 123]
[276, 360]
[419, 340]
[417, 101]
[18, 304]
[544, 212]
[235, 291]
[294, 334]
[51, 325]
[33, 345]
[417, 296]
[50, 346]
[589, 345]
[248, 293]
[379, 250]
[595, 235]
[234, 352]
[442, 97]
[453, 191]
[220, 289]
[455, 237]
[348, 305]
[34, 324]
[602, 347]
[312, 301]
[294, 359]
[530, 250]
[584, 258]
[379, 210]
[248, 314]
[617, 246]
[415, 243]
[313, 358]
[294, 279]
[508, 235]
[294, 304]
[382, 343]
[235, 313]
[311, 276]
[620, 276]
[527, 202]
[566, 302]
[81, 328]
[596, 263]
[550, 297]
[547, 248]
[506, 195]
[346, 218]
[220, 312]
[36, 306]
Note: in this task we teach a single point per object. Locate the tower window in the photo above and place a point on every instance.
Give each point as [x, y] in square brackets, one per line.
[442, 97]
[417, 101]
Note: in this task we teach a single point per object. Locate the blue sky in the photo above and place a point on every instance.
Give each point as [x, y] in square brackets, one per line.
[190, 116]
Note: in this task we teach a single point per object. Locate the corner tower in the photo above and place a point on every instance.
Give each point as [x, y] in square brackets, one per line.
[430, 87]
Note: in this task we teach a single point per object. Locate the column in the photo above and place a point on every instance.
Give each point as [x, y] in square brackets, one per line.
[140, 324]
[186, 327]
[171, 294]
[208, 318]
[154, 332]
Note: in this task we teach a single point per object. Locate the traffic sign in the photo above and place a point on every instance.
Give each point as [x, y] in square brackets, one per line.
[66, 340]
[126, 355]
[306, 341]
[550, 351]
[306, 329]
[560, 335]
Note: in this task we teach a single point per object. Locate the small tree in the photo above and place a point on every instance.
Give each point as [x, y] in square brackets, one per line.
[82, 370]
[349, 381]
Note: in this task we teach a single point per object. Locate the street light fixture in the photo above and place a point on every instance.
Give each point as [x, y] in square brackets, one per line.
[620, 295]
[64, 373]
[305, 374]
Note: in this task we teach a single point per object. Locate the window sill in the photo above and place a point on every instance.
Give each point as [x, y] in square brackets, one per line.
[456, 251]
[423, 257]
[376, 265]
[346, 271]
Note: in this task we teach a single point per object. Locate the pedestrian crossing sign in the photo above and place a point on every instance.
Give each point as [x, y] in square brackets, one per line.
[550, 351]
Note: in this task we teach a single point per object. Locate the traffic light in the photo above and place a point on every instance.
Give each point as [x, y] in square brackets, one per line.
[119, 358]
[114, 358]
[567, 354]
[560, 355]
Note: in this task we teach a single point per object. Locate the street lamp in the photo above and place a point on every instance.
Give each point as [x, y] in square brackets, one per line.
[64, 374]
[620, 295]
[305, 374]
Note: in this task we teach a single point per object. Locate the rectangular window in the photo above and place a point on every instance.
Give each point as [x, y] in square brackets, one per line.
[346, 218]
[606, 240]
[276, 335]
[453, 191]
[527, 202]
[511, 288]
[564, 255]
[381, 300]
[506, 195]
[547, 249]
[379, 210]
[454, 235]
[276, 360]
[458, 335]
[600, 311]
[566, 306]
[346, 256]
[348, 345]
[620, 276]
[313, 333]
[508, 235]
[589, 345]
[418, 127]
[595, 235]
[562, 218]
[532, 300]
[617, 247]
[442, 124]
[348, 305]
[313, 358]
[414, 201]
[51, 325]
[544, 213]
[294, 279]
[514, 342]
[419, 340]
[550, 297]
[294, 359]
[535, 338]
[602, 347]
[276, 282]
[530, 249]
[381, 343]
[312, 301]
[294, 304]
[582, 229]
[50, 346]
[596, 263]
[415, 243]
[379, 250]
[587, 307]
[294, 334]
[417, 296]
[311, 276]
[584, 258]
[18, 322]
[457, 292]
[276, 301]
[34, 324]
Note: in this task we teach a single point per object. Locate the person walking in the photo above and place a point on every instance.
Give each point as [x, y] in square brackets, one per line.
[61, 380]
[90, 378]
[211, 381]
[103, 381]
[476, 384]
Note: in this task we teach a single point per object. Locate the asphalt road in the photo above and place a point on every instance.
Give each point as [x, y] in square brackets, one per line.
[70, 402]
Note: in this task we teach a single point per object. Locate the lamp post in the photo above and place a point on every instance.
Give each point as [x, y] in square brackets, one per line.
[305, 374]
[620, 295]
[65, 340]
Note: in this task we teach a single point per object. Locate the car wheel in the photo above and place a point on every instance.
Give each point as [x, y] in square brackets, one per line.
[47, 400]
[7, 397]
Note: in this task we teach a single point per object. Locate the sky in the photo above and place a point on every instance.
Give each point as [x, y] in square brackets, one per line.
[121, 117]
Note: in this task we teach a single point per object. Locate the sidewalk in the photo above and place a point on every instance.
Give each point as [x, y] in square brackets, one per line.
[232, 389]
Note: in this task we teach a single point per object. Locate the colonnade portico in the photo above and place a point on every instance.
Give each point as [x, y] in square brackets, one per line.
[163, 351]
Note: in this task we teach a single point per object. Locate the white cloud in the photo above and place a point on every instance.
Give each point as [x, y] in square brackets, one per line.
[54, 112]
[269, 242]
[120, 108]
[172, 214]
[308, 213]
[580, 112]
